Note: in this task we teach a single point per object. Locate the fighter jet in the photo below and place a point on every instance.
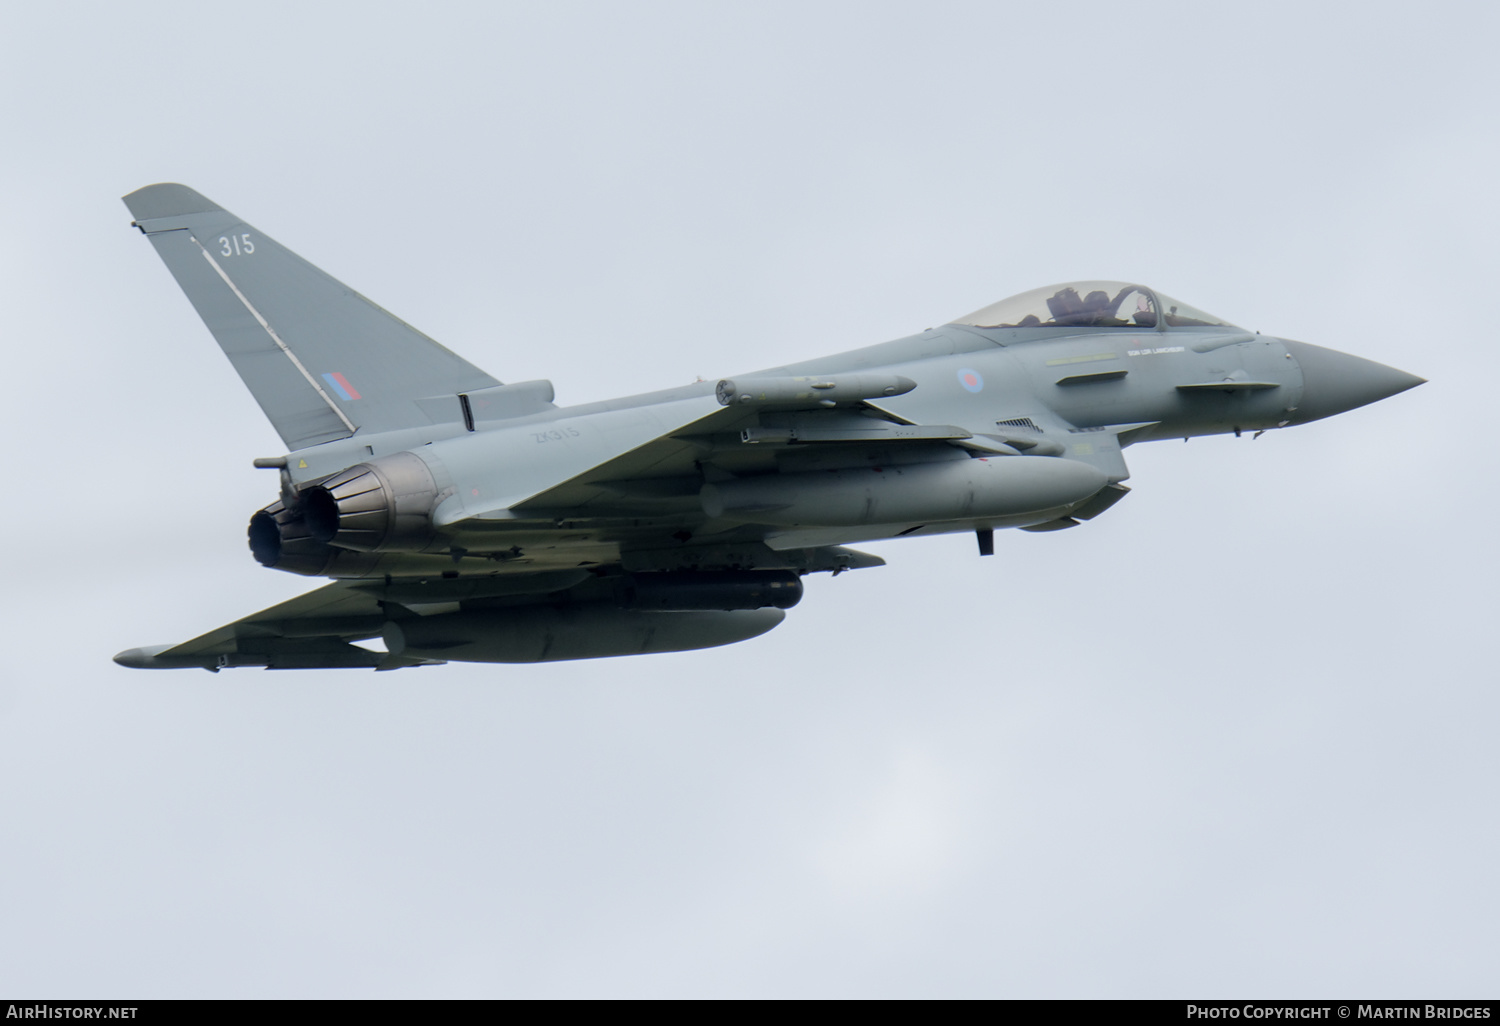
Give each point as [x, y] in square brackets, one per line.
[465, 519]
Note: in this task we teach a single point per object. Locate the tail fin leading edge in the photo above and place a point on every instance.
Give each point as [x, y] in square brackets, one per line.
[320, 359]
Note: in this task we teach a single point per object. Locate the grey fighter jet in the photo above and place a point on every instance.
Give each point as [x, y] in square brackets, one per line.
[465, 519]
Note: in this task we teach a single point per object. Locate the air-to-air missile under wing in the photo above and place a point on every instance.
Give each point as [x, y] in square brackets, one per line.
[465, 519]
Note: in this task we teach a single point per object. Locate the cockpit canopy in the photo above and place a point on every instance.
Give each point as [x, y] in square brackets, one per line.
[1091, 304]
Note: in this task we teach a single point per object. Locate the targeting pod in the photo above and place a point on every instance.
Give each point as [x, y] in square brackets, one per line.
[713, 589]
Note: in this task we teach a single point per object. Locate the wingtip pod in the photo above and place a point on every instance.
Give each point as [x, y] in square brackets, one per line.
[167, 199]
[146, 659]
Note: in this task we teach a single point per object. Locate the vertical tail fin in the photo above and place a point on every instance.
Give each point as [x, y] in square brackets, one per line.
[321, 360]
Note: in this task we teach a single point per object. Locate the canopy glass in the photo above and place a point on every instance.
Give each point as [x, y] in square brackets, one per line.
[1091, 304]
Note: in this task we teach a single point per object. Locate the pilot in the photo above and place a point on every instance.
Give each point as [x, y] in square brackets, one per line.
[1065, 305]
[1096, 308]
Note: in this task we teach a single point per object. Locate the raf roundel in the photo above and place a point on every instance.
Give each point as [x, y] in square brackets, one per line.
[970, 379]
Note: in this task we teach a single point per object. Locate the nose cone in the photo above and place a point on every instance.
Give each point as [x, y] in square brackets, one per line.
[1335, 382]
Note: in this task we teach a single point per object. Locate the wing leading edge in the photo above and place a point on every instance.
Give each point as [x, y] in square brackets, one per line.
[312, 631]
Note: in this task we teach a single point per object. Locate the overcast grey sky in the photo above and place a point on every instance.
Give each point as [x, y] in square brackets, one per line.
[1235, 737]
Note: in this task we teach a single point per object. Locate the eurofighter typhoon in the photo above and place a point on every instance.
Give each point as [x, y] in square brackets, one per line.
[465, 519]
